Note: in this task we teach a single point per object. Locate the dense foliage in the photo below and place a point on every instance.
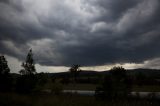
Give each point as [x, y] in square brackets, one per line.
[27, 81]
[28, 65]
[116, 85]
[5, 78]
[75, 69]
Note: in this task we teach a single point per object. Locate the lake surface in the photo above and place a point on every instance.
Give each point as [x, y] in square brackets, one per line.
[91, 93]
[81, 92]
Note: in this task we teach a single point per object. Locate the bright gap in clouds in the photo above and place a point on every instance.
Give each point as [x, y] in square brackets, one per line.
[15, 66]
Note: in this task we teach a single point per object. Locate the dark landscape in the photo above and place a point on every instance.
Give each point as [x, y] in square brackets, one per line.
[79, 52]
[111, 87]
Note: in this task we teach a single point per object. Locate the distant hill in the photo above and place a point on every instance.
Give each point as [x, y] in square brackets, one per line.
[82, 73]
[89, 73]
[147, 72]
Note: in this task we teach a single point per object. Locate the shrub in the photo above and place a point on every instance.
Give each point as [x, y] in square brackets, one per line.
[115, 85]
[26, 83]
[56, 88]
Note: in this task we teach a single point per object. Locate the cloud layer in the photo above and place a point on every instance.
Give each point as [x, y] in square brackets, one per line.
[86, 32]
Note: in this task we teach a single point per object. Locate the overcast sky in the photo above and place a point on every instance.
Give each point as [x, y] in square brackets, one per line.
[96, 34]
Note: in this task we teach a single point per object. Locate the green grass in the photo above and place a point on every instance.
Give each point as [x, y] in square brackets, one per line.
[13, 99]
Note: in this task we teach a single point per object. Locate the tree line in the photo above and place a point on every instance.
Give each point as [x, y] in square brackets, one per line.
[29, 79]
[115, 85]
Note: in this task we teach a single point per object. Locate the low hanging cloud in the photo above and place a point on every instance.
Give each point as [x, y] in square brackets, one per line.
[86, 32]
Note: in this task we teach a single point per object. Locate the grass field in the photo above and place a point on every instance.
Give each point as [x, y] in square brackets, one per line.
[13, 99]
[144, 88]
[80, 87]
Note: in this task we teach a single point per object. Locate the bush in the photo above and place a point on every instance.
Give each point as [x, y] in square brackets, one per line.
[115, 85]
[5, 77]
[5, 83]
[26, 83]
[65, 80]
[56, 88]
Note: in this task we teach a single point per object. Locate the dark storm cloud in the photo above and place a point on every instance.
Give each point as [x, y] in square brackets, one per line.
[115, 8]
[87, 32]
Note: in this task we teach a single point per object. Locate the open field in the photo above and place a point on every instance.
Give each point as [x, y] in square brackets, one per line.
[13, 99]
[80, 87]
[144, 88]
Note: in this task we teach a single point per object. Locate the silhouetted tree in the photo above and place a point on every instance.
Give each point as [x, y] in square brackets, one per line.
[75, 69]
[122, 83]
[27, 81]
[116, 84]
[4, 69]
[28, 65]
[5, 78]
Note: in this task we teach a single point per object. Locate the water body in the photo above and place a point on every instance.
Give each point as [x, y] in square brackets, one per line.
[81, 92]
[91, 93]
